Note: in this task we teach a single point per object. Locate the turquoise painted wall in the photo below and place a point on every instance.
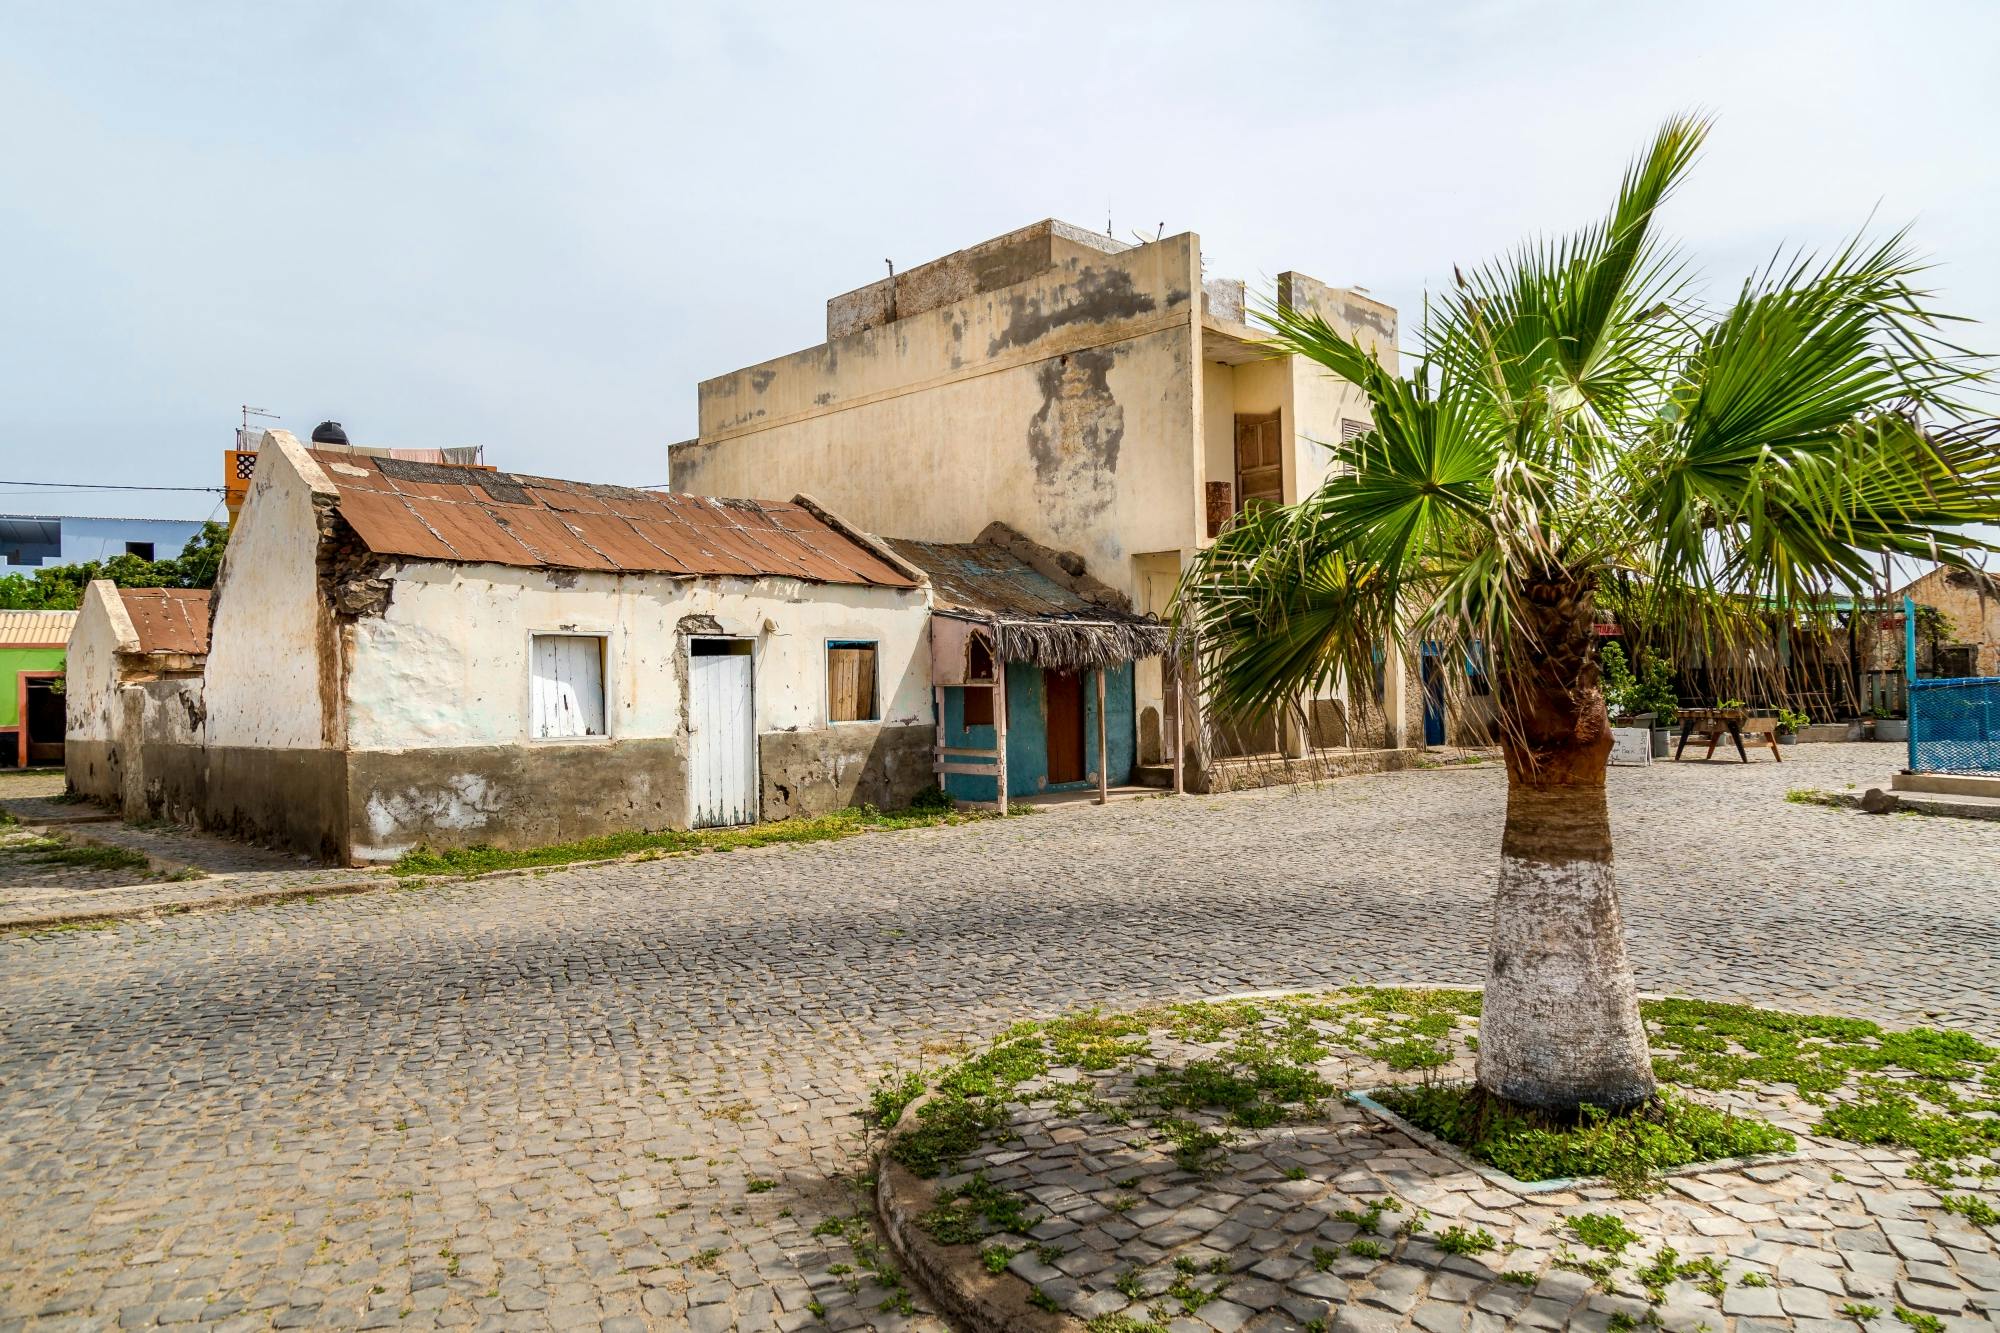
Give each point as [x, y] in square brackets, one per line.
[1027, 735]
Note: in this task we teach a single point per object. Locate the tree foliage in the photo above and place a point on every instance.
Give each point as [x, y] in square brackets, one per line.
[61, 587]
[1579, 419]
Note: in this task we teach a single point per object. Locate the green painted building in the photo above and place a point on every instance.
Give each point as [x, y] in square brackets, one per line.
[33, 645]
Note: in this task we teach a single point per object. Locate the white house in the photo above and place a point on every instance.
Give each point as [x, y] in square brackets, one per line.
[134, 693]
[409, 653]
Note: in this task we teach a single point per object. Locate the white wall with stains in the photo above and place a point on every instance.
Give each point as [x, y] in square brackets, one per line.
[103, 629]
[271, 681]
[447, 664]
[1063, 405]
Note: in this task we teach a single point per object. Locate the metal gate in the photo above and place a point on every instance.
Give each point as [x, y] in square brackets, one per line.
[722, 734]
[1955, 726]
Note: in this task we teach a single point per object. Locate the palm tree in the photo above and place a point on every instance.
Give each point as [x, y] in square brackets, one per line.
[1579, 422]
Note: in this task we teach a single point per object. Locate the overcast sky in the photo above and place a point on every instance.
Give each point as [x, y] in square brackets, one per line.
[536, 226]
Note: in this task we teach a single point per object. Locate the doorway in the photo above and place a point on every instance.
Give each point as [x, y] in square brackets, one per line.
[1260, 468]
[722, 734]
[44, 719]
[1433, 697]
[1062, 694]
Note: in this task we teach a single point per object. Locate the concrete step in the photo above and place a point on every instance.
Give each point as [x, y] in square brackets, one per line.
[1947, 784]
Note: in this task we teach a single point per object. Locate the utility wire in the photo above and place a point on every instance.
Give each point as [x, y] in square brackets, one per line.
[105, 486]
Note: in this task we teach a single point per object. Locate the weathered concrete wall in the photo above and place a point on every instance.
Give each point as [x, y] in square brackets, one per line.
[447, 663]
[511, 795]
[1063, 405]
[159, 716]
[273, 673]
[103, 629]
[806, 773]
[1001, 262]
[93, 768]
[1319, 399]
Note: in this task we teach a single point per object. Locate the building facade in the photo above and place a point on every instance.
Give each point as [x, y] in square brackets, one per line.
[408, 654]
[33, 650]
[1098, 397]
[134, 691]
[30, 541]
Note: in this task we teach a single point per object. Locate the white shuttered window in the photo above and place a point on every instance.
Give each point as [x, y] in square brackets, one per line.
[568, 695]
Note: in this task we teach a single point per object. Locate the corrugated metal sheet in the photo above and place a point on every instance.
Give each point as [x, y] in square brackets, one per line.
[982, 579]
[169, 620]
[40, 627]
[430, 512]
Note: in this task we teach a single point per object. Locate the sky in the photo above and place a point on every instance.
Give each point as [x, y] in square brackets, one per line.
[536, 227]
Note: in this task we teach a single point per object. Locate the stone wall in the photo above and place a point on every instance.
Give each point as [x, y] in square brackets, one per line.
[807, 773]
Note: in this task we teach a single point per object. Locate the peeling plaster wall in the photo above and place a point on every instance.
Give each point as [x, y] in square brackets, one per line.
[438, 703]
[91, 675]
[446, 665]
[1319, 399]
[1062, 405]
[271, 677]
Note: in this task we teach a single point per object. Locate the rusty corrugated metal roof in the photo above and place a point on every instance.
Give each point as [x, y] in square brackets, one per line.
[433, 512]
[982, 579]
[169, 620]
[20, 628]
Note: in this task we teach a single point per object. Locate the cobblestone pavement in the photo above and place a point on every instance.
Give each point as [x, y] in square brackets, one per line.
[1104, 1193]
[184, 870]
[557, 1100]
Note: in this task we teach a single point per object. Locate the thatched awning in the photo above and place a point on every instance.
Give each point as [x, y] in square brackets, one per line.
[1034, 618]
[1079, 645]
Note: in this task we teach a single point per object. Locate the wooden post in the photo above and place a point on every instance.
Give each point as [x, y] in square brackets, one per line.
[1103, 754]
[1000, 733]
[937, 760]
[1174, 705]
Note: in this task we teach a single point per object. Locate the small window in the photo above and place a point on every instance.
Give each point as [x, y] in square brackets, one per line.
[978, 658]
[978, 706]
[1350, 429]
[144, 550]
[568, 695]
[850, 682]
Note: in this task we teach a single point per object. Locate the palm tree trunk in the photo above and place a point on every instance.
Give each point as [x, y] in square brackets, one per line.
[1560, 1026]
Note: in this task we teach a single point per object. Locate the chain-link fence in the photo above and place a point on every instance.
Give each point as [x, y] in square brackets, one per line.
[1955, 725]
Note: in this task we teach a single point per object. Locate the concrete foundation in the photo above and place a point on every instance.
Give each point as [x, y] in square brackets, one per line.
[806, 773]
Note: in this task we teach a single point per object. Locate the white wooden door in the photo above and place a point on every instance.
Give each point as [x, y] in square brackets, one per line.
[722, 737]
[568, 685]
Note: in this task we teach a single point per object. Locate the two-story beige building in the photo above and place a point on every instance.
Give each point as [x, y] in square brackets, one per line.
[1102, 398]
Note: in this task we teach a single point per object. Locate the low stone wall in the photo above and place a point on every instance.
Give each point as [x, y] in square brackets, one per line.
[807, 773]
[511, 796]
[1317, 766]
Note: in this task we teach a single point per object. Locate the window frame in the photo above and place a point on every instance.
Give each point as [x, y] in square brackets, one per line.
[826, 681]
[604, 677]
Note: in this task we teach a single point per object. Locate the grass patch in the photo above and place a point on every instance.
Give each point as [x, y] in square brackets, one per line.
[83, 856]
[1628, 1150]
[975, 1210]
[840, 824]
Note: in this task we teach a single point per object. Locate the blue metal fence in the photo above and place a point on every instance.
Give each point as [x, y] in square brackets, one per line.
[1955, 725]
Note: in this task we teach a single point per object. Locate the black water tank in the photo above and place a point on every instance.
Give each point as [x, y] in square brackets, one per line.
[329, 432]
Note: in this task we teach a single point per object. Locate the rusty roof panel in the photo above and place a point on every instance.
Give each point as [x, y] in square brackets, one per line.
[169, 620]
[983, 579]
[387, 522]
[436, 512]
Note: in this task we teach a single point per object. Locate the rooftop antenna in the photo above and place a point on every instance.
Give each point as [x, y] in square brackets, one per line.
[249, 411]
[892, 289]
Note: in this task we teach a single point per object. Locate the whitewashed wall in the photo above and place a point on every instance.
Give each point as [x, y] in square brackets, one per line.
[448, 663]
[103, 628]
[268, 685]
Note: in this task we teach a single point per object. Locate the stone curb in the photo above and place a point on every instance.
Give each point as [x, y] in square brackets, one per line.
[28, 925]
[951, 1275]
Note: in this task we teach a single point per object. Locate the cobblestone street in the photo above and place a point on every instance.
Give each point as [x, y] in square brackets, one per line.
[624, 1094]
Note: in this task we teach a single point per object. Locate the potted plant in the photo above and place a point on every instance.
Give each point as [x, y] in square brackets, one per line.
[1790, 724]
[1654, 693]
[1889, 727]
[1631, 730]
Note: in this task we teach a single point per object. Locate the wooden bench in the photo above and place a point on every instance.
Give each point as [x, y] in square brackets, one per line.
[1715, 723]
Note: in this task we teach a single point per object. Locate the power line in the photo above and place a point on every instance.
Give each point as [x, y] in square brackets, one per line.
[105, 486]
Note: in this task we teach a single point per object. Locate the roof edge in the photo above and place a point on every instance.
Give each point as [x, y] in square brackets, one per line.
[867, 540]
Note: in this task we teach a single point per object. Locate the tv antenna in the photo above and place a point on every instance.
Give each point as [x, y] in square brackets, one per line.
[249, 411]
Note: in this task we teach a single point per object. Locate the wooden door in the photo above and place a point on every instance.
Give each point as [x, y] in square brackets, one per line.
[722, 737]
[1260, 469]
[1063, 707]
